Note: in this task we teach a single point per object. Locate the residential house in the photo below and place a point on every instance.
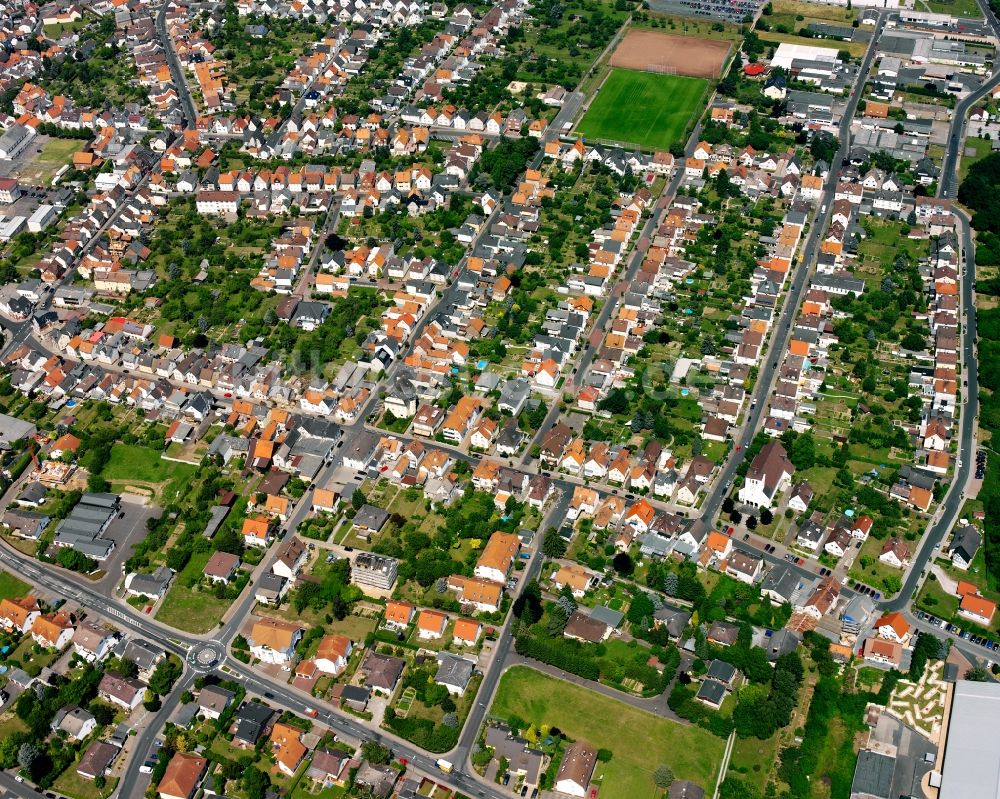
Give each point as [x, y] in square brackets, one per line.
[382, 672]
[53, 630]
[576, 769]
[431, 624]
[963, 547]
[18, 615]
[274, 640]
[454, 673]
[122, 691]
[744, 567]
[180, 780]
[399, 615]
[895, 553]
[213, 701]
[498, 557]
[287, 747]
[893, 627]
[333, 653]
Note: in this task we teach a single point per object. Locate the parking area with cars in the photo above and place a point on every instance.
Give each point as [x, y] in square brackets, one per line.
[958, 632]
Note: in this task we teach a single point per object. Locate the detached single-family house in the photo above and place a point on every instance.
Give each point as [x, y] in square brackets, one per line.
[273, 640]
[180, 780]
[122, 691]
[964, 545]
[333, 653]
[895, 553]
[576, 769]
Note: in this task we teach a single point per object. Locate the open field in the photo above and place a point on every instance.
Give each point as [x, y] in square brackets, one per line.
[796, 8]
[11, 587]
[974, 151]
[643, 108]
[957, 8]
[651, 51]
[55, 154]
[129, 462]
[188, 608]
[691, 752]
[689, 26]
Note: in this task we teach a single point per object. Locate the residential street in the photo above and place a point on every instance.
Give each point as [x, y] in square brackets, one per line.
[210, 652]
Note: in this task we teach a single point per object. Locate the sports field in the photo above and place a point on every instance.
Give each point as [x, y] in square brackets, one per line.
[643, 108]
[654, 51]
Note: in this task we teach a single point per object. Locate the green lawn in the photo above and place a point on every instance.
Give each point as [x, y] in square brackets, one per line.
[132, 465]
[643, 108]
[982, 148]
[71, 784]
[754, 760]
[11, 587]
[935, 600]
[306, 789]
[130, 462]
[11, 725]
[691, 752]
[957, 8]
[188, 608]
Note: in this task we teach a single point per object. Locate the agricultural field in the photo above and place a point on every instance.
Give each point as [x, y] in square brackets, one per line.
[690, 751]
[643, 108]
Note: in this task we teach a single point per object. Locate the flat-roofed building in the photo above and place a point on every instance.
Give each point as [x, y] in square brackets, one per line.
[377, 571]
[971, 768]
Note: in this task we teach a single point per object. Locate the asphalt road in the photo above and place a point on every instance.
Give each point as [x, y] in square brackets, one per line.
[129, 785]
[968, 422]
[799, 285]
[948, 184]
[176, 70]
[470, 732]
[285, 696]
[21, 790]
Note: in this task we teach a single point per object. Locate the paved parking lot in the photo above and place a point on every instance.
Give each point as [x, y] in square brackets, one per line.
[126, 533]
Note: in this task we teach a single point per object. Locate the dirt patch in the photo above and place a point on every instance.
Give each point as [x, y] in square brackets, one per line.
[652, 51]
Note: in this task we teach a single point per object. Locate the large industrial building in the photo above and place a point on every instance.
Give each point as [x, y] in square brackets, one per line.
[971, 767]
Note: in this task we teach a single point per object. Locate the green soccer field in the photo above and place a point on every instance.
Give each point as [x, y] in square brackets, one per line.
[643, 108]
